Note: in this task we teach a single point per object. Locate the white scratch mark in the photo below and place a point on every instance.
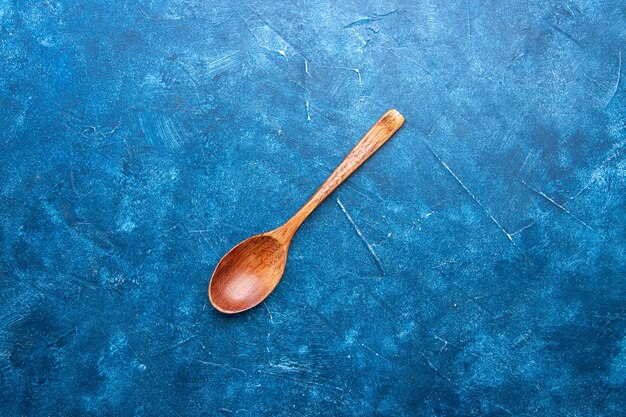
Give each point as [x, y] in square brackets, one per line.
[82, 283]
[143, 130]
[594, 177]
[306, 91]
[181, 342]
[221, 365]
[500, 407]
[305, 381]
[360, 233]
[268, 312]
[361, 38]
[542, 194]
[374, 352]
[267, 38]
[619, 74]
[201, 232]
[523, 228]
[434, 368]
[529, 163]
[11, 319]
[308, 109]
[174, 346]
[370, 349]
[508, 235]
[193, 80]
[7, 302]
[359, 75]
[167, 132]
[445, 343]
[223, 63]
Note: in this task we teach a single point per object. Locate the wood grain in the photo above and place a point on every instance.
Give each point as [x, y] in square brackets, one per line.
[376, 137]
[250, 271]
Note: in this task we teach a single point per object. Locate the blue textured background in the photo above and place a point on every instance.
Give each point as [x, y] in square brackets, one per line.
[475, 265]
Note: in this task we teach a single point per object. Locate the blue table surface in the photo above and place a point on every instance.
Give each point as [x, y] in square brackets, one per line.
[474, 266]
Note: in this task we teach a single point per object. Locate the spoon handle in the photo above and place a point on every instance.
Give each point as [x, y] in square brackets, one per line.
[380, 133]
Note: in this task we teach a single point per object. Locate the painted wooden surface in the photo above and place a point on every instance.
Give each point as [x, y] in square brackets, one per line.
[474, 266]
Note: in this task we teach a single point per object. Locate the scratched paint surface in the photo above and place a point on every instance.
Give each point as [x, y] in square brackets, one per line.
[474, 266]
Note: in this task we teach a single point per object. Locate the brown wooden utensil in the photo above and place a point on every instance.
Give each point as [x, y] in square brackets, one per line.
[250, 271]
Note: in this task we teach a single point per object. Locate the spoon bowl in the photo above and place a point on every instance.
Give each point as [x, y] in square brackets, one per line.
[247, 274]
[250, 271]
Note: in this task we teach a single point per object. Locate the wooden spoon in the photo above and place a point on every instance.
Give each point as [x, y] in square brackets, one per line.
[250, 271]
